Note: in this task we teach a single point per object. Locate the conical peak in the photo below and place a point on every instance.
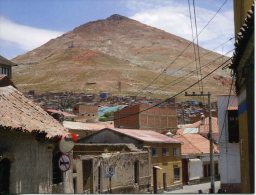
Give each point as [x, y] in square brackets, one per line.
[117, 17]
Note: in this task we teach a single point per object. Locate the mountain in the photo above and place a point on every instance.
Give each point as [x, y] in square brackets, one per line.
[114, 51]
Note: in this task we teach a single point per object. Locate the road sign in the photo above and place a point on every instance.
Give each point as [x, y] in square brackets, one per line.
[110, 171]
[64, 162]
[66, 143]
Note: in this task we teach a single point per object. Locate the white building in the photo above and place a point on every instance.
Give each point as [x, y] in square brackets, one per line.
[229, 146]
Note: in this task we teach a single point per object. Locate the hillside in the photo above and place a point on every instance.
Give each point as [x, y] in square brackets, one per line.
[105, 52]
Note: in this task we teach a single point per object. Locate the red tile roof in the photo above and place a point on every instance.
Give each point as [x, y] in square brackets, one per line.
[146, 135]
[17, 112]
[194, 144]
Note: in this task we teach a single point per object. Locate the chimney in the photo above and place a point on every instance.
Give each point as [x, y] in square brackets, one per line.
[202, 119]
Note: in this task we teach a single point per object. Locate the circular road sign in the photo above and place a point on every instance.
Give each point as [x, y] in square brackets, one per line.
[64, 162]
[66, 143]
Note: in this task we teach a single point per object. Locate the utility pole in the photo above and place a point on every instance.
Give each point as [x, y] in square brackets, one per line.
[210, 135]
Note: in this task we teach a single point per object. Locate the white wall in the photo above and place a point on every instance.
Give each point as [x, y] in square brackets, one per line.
[229, 163]
[195, 169]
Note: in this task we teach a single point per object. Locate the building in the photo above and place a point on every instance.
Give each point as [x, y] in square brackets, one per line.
[159, 119]
[195, 151]
[111, 168]
[60, 115]
[166, 167]
[86, 112]
[243, 69]
[29, 145]
[6, 67]
[229, 146]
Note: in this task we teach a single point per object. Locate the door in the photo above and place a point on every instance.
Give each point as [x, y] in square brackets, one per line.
[164, 181]
[5, 166]
[155, 180]
[185, 171]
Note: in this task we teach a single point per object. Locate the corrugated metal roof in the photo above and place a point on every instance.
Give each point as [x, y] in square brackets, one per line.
[190, 130]
[194, 144]
[146, 135]
[18, 112]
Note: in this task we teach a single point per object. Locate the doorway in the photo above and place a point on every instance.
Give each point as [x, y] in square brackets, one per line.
[5, 166]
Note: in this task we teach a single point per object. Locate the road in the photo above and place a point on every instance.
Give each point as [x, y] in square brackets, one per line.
[194, 188]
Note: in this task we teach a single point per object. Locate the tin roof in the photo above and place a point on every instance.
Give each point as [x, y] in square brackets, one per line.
[19, 113]
[194, 144]
[145, 135]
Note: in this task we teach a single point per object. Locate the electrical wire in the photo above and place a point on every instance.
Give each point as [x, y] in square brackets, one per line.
[194, 47]
[191, 72]
[165, 69]
[166, 100]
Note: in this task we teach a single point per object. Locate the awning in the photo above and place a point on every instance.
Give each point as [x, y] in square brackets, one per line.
[157, 167]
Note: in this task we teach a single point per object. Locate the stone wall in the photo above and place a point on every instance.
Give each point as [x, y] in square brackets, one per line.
[123, 180]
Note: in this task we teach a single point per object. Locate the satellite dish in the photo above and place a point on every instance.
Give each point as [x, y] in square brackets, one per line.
[66, 143]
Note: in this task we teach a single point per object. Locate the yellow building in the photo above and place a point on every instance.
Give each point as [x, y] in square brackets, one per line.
[166, 165]
[243, 68]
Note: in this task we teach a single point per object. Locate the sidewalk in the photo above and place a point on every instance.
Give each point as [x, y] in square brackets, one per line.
[194, 188]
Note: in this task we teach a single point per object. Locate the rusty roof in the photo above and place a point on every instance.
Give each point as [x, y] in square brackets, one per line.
[18, 112]
[5, 61]
[145, 135]
[194, 144]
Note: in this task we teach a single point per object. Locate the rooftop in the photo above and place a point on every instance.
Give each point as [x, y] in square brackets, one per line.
[146, 135]
[18, 112]
[5, 61]
[87, 126]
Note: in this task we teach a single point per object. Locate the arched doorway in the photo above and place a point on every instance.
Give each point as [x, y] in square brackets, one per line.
[5, 166]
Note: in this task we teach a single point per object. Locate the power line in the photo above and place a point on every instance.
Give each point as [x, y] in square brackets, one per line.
[191, 26]
[185, 76]
[164, 70]
[198, 53]
[166, 100]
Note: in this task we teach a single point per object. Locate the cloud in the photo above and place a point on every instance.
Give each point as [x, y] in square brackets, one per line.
[174, 18]
[25, 37]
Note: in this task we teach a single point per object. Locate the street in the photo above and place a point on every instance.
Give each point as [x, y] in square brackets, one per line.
[194, 188]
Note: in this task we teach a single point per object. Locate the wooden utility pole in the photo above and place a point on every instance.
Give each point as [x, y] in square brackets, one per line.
[210, 135]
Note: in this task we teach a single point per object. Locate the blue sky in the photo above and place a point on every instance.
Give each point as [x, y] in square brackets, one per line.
[27, 24]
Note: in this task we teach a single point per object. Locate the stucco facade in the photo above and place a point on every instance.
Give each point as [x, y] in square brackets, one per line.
[131, 169]
[31, 162]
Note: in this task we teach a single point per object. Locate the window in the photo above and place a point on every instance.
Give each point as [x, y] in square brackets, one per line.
[176, 172]
[136, 172]
[216, 169]
[165, 151]
[233, 130]
[153, 152]
[176, 152]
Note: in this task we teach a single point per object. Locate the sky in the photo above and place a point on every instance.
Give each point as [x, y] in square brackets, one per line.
[28, 24]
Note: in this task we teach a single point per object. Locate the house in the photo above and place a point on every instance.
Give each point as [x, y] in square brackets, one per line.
[86, 112]
[111, 168]
[229, 146]
[243, 67]
[6, 67]
[159, 119]
[166, 167]
[29, 147]
[195, 152]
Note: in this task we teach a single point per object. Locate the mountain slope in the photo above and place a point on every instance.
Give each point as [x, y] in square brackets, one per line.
[108, 51]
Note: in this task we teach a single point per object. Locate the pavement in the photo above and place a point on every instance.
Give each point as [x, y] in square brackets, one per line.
[188, 189]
